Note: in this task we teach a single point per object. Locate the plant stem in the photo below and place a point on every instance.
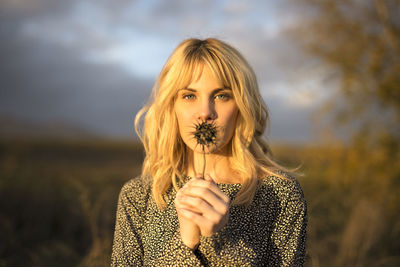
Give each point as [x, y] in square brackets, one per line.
[204, 162]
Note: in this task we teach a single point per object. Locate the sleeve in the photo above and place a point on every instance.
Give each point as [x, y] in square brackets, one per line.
[289, 233]
[173, 251]
[127, 247]
[178, 254]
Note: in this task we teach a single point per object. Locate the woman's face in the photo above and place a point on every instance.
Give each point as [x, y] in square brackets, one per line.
[206, 99]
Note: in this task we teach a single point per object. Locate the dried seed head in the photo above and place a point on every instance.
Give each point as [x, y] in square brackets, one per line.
[206, 133]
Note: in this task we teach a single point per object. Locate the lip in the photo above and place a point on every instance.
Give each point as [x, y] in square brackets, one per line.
[205, 133]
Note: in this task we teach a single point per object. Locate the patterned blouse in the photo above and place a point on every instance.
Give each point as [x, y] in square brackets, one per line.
[270, 232]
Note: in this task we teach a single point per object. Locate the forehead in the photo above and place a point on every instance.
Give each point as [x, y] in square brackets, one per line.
[202, 73]
[205, 78]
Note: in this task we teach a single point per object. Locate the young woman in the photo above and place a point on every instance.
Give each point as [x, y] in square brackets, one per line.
[210, 193]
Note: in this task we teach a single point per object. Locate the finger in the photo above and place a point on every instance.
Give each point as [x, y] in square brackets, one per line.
[207, 177]
[197, 194]
[199, 176]
[197, 204]
[207, 227]
[187, 208]
[208, 185]
[180, 203]
[200, 220]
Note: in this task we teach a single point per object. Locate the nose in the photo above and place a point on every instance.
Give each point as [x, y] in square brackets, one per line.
[207, 111]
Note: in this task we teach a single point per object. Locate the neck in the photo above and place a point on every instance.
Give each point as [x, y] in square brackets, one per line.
[217, 165]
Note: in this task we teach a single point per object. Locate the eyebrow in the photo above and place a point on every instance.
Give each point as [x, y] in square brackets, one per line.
[216, 90]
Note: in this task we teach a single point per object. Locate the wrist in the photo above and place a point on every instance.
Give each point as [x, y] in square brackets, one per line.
[192, 244]
[195, 247]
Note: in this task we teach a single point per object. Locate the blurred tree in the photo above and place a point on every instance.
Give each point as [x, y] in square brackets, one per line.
[359, 43]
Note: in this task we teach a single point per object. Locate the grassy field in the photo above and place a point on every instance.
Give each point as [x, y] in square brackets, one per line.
[58, 202]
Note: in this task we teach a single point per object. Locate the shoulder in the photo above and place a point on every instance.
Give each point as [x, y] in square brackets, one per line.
[135, 185]
[284, 186]
[135, 192]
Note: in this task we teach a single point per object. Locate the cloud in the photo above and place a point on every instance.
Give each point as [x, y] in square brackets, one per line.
[42, 81]
[288, 124]
[94, 62]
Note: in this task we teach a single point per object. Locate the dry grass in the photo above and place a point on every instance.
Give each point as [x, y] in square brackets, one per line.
[58, 202]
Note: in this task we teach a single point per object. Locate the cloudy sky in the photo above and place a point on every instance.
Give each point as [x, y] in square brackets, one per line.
[93, 63]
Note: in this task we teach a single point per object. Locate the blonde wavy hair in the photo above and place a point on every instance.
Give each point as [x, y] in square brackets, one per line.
[157, 127]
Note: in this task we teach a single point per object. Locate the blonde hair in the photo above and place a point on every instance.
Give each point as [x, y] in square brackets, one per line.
[164, 162]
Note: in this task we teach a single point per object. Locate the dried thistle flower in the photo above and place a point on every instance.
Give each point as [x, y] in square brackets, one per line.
[206, 135]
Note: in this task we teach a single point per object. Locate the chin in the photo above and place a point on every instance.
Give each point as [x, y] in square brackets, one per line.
[215, 148]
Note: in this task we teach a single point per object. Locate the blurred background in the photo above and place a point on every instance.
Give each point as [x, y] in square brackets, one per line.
[74, 73]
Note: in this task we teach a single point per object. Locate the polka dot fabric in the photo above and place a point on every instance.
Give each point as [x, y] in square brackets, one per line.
[270, 232]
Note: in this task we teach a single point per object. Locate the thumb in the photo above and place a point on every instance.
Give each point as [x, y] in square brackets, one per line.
[207, 177]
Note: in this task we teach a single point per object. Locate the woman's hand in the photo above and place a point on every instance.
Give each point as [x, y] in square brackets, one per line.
[202, 203]
[190, 232]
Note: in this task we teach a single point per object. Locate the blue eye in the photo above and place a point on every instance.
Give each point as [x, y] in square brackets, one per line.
[188, 96]
[223, 96]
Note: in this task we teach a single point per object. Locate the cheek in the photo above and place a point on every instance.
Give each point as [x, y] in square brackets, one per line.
[230, 122]
[178, 113]
[182, 119]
